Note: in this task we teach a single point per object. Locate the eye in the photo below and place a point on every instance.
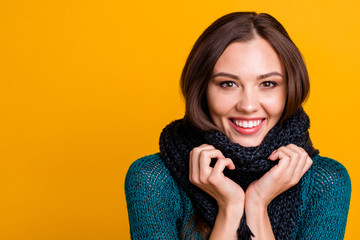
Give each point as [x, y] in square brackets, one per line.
[268, 84]
[228, 84]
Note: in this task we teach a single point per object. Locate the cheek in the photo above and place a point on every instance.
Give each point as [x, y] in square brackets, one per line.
[275, 106]
[220, 106]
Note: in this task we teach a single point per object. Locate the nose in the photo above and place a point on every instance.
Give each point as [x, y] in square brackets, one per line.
[248, 102]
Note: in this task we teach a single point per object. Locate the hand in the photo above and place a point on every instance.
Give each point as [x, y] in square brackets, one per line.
[293, 164]
[212, 179]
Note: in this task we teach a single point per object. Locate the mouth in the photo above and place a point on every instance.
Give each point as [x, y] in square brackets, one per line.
[247, 126]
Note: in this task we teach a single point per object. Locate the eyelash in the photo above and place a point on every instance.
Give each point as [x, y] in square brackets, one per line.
[222, 84]
[272, 84]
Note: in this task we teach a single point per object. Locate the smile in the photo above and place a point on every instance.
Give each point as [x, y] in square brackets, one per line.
[247, 127]
[247, 124]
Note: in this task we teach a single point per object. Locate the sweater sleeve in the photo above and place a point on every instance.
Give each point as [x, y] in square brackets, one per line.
[326, 200]
[153, 200]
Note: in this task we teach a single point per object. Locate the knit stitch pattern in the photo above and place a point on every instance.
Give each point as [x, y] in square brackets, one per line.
[179, 137]
[159, 209]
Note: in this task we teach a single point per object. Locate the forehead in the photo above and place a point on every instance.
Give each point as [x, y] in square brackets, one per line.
[256, 56]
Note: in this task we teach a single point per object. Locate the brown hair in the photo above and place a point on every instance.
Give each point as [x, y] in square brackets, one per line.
[240, 26]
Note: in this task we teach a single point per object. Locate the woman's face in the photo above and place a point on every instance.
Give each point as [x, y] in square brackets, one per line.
[247, 91]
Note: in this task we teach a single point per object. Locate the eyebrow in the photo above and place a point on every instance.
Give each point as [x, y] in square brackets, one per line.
[269, 75]
[262, 76]
[222, 74]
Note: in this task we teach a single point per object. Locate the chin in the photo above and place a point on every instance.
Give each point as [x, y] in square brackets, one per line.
[247, 142]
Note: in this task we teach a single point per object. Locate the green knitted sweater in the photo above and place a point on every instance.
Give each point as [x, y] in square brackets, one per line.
[159, 209]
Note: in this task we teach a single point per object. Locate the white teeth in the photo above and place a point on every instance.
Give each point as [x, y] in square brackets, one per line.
[247, 124]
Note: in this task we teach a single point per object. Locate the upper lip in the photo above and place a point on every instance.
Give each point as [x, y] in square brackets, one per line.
[246, 118]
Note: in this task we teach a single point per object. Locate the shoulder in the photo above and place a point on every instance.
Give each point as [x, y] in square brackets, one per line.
[154, 200]
[324, 202]
[329, 175]
[144, 166]
[149, 170]
[149, 178]
[326, 183]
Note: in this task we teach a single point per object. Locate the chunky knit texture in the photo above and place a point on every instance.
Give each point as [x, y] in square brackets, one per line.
[160, 209]
[251, 163]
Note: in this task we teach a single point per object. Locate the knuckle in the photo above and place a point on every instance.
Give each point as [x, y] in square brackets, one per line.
[203, 179]
[282, 148]
[205, 145]
[227, 160]
[194, 151]
[219, 152]
[195, 181]
[202, 157]
[221, 160]
[303, 154]
[202, 154]
[286, 159]
[295, 155]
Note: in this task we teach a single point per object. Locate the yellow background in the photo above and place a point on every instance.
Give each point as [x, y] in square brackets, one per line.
[87, 86]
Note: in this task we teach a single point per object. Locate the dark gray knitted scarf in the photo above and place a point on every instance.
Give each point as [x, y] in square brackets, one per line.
[251, 163]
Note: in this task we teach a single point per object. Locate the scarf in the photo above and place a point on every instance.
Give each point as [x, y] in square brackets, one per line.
[180, 137]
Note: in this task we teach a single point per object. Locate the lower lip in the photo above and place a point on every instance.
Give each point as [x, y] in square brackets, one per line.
[247, 131]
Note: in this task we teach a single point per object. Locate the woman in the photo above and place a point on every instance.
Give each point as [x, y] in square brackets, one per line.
[240, 165]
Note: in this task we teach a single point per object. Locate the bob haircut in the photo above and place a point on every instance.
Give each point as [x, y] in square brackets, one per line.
[240, 27]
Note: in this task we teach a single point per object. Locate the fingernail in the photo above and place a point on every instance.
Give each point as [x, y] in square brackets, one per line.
[271, 154]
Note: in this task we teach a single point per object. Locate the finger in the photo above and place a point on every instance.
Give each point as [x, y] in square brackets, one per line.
[295, 156]
[278, 153]
[205, 160]
[307, 166]
[274, 155]
[282, 156]
[218, 170]
[194, 159]
[205, 156]
[221, 164]
[299, 162]
[303, 159]
[205, 146]
[282, 166]
[198, 152]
